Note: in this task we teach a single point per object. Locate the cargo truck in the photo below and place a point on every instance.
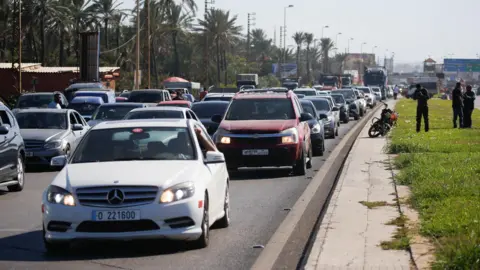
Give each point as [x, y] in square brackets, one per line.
[247, 81]
[290, 83]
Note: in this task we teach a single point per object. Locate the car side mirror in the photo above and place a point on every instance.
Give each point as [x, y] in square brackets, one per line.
[58, 161]
[305, 117]
[335, 109]
[77, 127]
[214, 157]
[217, 118]
[322, 116]
[4, 130]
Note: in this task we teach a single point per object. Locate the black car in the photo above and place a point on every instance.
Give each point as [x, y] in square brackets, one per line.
[341, 103]
[206, 109]
[12, 149]
[317, 132]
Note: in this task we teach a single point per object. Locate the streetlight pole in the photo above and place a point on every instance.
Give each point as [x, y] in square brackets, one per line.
[336, 42]
[20, 90]
[326, 26]
[137, 60]
[285, 33]
[348, 45]
[147, 2]
[361, 47]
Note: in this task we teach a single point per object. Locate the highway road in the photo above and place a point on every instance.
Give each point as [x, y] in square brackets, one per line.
[259, 202]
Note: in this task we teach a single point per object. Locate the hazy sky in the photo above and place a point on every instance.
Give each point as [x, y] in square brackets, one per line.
[413, 29]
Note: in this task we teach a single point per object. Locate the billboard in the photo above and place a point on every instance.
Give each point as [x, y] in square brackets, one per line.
[89, 56]
[461, 65]
[286, 70]
[356, 61]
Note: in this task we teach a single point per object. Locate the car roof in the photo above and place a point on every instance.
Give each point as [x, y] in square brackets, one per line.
[123, 104]
[142, 123]
[148, 90]
[93, 92]
[43, 110]
[41, 94]
[86, 99]
[161, 108]
[175, 102]
[304, 89]
[85, 85]
[220, 94]
[211, 102]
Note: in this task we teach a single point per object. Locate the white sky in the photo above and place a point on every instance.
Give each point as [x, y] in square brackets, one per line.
[413, 29]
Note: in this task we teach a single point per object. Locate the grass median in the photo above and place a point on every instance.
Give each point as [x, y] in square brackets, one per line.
[442, 167]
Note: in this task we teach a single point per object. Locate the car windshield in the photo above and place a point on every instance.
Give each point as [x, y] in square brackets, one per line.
[125, 94]
[112, 112]
[34, 101]
[321, 104]
[84, 108]
[206, 110]
[184, 105]
[207, 98]
[41, 120]
[146, 97]
[347, 94]
[338, 98]
[308, 107]
[364, 90]
[139, 143]
[155, 114]
[92, 94]
[330, 101]
[260, 109]
[306, 92]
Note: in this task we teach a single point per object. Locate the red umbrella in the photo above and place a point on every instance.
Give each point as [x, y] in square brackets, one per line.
[175, 79]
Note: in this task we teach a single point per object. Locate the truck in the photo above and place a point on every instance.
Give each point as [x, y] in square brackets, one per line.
[247, 80]
[376, 76]
[331, 81]
[346, 80]
[290, 83]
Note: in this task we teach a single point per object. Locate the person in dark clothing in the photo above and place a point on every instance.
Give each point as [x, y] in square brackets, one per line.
[421, 96]
[457, 105]
[178, 96]
[468, 106]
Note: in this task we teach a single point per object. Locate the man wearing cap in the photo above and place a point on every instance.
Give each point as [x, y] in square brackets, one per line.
[457, 105]
[421, 96]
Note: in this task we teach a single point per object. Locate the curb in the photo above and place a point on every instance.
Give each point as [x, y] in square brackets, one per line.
[311, 204]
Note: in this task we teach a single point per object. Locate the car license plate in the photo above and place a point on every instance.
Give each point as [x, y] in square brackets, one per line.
[255, 152]
[112, 215]
[29, 154]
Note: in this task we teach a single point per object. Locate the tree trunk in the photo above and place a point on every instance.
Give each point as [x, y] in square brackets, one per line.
[106, 32]
[225, 66]
[217, 45]
[308, 64]
[154, 65]
[298, 61]
[42, 39]
[14, 24]
[61, 51]
[176, 68]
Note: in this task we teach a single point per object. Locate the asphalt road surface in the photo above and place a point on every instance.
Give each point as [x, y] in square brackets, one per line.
[259, 203]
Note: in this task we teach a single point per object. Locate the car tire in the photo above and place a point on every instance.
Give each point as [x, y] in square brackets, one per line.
[300, 167]
[320, 149]
[224, 222]
[346, 120]
[55, 248]
[356, 117]
[310, 158]
[336, 132]
[362, 112]
[202, 241]
[20, 175]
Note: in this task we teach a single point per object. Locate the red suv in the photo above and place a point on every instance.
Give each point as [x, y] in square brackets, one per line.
[265, 128]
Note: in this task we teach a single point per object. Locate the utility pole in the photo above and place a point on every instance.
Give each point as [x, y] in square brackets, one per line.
[206, 60]
[137, 60]
[251, 22]
[148, 41]
[275, 37]
[20, 90]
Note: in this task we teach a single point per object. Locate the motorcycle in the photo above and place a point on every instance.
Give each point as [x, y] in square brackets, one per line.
[381, 126]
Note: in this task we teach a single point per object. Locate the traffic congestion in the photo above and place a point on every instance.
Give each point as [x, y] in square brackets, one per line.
[158, 166]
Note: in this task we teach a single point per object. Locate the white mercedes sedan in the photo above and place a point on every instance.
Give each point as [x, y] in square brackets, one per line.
[138, 179]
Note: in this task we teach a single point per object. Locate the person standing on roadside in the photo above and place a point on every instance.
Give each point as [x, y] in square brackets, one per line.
[457, 105]
[468, 106]
[421, 96]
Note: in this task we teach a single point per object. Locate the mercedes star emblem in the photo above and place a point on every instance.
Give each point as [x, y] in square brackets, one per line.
[115, 196]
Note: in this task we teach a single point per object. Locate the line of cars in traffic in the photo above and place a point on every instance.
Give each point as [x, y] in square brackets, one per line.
[184, 188]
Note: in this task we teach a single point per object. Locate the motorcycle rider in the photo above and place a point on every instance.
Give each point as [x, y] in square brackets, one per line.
[421, 96]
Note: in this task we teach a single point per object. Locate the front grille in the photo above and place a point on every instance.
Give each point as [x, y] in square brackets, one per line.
[259, 142]
[34, 144]
[254, 131]
[117, 226]
[132, 195]
[180, 222]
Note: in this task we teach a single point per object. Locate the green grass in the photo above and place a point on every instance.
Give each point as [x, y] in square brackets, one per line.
[372, 205]
[442, 167]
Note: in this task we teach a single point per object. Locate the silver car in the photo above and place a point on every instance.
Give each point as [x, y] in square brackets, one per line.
[336, 113]
[369, 96]
[48, 133]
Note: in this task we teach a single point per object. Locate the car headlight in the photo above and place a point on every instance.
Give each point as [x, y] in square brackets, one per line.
[221, 136]
[327, 121]
[178, 192]
[53, 144]
[316, 129]
[58, 195]
[291, 136]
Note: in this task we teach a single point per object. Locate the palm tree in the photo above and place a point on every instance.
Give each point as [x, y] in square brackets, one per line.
[299, 38]
[177, 22]
[105, 11]
[222, 29]
[326, 44]
[308, 41]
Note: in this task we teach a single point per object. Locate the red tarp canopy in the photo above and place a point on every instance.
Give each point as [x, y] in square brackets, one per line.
[175, 79]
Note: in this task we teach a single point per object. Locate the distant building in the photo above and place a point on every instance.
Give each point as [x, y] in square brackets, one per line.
[429, 65]
[388, 64]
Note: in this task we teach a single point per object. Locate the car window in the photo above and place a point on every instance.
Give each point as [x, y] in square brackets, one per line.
[306, 92]
[11, 118]
[42, 120]
[140, 143]
[111, 112]
[202, 147]
[207, 110]
[338, 98]
[321, 104]
[146, 96]
[4, 117]
[78, 118]
[308, 108]
[73, 119]
[189, 116]
[34, 101]
[297, 104]
[261, 109]
[194, 116]
[207, 98]
[155, 114]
